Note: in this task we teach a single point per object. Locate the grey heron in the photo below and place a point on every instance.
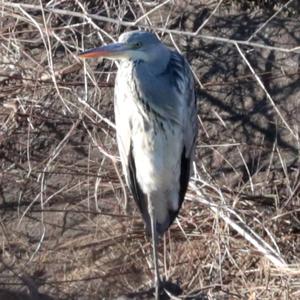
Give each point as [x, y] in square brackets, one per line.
[156, 124]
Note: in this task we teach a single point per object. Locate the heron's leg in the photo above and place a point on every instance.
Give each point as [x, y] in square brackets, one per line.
[154, 248]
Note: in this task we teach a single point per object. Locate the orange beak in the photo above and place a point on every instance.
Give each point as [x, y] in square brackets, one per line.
[112, 51]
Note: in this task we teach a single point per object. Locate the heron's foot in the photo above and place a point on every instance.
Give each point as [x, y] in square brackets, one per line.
[165, 289]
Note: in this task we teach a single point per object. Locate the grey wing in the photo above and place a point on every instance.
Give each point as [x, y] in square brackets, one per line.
[190, 123]
[190, 132]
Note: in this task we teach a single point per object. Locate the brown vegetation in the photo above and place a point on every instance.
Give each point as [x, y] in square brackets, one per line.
[68, 226]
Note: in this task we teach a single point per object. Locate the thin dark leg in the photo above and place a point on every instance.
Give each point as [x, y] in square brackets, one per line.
[154, 248]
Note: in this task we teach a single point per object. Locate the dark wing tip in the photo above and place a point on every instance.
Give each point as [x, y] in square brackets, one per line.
[183, 181]
[138, 195]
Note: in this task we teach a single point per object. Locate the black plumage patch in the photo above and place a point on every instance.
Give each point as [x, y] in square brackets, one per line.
[183, 181]
[138, 195]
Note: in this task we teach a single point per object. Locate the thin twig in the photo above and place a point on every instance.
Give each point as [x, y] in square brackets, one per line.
[236, 222]
[269, 20]
[266, 92]
[295, 49]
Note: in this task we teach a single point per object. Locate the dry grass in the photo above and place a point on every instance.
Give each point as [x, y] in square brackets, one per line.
[69, 228]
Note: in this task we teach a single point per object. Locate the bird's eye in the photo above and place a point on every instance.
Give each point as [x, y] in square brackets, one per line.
[136, 45]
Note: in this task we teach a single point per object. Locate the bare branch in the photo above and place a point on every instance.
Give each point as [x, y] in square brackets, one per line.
[171, 31]
[265, 90]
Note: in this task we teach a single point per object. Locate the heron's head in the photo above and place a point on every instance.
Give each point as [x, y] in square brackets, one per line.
[133, 45]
